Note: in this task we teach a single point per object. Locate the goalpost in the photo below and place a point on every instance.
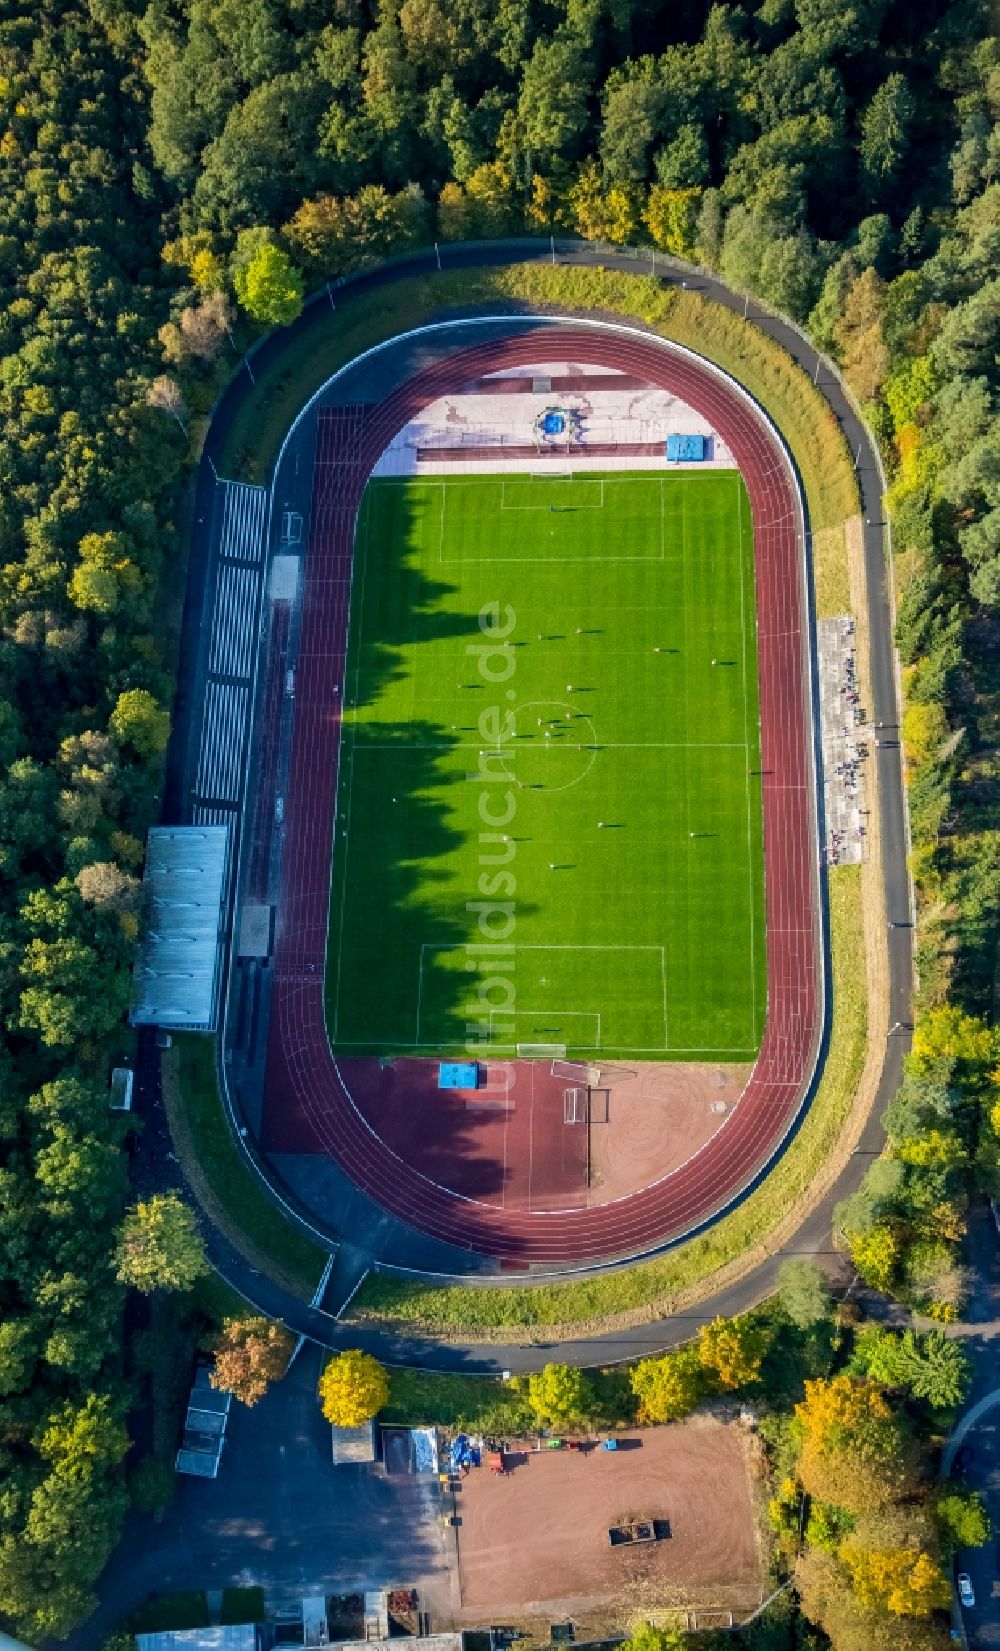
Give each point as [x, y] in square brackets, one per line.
[576, 1108]
[575, 1072]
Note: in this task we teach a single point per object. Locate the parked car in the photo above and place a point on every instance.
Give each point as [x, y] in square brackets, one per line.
[965, 1592]
[964, 1458]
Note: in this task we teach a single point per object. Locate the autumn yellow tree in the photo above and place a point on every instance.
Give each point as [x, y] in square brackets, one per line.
[925, 729]
[948, 1033]
[875, 1254]
[733, 1349]
[601, 213]
[353, 1388]
[560, 1395]
[671, 218]
[667, 1388]
[547, 206]
[855, 1449]
[456, 214]
[907, 1583]
[207, 270]
[490, 190]
[827, 1598]
[859, 335]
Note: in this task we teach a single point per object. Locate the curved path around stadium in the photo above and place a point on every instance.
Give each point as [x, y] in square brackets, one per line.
[303, 1074]
[401, 1345]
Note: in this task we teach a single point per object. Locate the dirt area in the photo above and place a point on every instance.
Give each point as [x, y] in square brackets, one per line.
[535, 1541]
[655, 1121]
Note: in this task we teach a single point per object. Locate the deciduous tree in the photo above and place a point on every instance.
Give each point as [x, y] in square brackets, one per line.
[165, 394]
[803, 1293]
[856, 1451]
[138, 720]
[269, 287]
[159, 1246]
[559, 1395]
[667, 1388]
[353, 1388]
[961, 1518]
[249, 1355]
[733, 1349]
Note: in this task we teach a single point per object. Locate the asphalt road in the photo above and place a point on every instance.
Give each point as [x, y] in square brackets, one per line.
[979, 1429]
[813, 1238]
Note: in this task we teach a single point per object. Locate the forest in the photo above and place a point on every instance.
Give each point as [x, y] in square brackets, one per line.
[176, 176]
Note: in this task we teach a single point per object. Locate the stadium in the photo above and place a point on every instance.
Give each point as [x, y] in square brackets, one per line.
[530, 951]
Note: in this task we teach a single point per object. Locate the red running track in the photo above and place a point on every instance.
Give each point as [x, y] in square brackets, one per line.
[302, 1073]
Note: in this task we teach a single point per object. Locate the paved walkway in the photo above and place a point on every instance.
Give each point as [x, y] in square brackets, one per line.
[979, 1426]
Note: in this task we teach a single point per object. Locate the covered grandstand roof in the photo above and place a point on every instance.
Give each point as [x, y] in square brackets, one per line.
[176, 980]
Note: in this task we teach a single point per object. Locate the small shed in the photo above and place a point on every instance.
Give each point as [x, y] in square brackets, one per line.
[353, 1446]
[685, 449]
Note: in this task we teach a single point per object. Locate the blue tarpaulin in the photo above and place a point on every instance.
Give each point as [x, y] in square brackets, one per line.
[685, 449]
[464, 1453]
[458, 1075]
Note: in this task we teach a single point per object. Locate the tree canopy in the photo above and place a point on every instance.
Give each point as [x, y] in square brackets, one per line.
[353, 1388]
[159, 1247]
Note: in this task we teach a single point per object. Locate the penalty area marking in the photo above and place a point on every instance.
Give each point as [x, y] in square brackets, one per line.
[586, 481]
[599, 554]
[508, 965]
[508, 1018]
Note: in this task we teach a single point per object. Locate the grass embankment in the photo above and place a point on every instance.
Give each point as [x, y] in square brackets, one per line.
[224, 1186]
[335, 337]
[649, 939]
[831, 575]
[728, 1250]
[485, 1404]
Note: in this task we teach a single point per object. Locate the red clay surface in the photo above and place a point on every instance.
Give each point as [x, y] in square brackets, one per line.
[539, 1534]
[315, 1103]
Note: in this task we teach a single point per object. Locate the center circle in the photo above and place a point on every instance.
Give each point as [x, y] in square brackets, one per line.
[552, 745]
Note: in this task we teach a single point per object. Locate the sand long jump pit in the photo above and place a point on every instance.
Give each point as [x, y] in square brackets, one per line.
[535, 1541]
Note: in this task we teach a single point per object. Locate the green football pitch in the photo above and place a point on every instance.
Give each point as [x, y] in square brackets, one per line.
[548, 825]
